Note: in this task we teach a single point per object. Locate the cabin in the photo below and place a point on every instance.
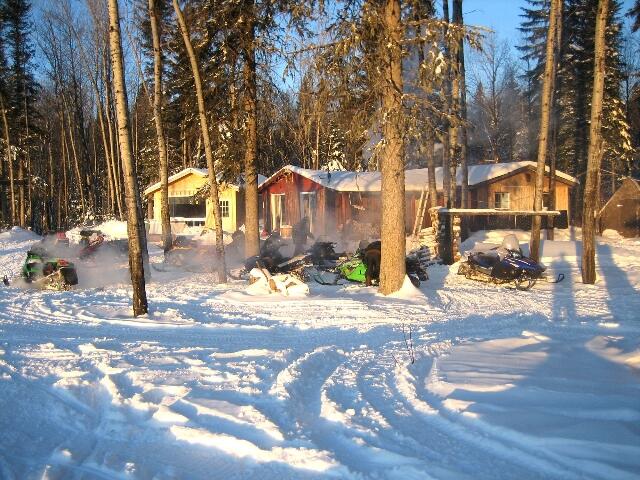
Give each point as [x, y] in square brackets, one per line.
[188, 209]
[337, 200]
[622, 210]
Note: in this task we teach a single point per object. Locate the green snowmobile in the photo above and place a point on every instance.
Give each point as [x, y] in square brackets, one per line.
[47, 272]
[353, 270]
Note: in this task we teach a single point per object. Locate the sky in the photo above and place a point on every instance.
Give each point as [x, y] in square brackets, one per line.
[503, 16]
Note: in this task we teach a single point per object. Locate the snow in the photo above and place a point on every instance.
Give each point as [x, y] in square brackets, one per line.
[415, 179]
[111, 229]
[216, 383]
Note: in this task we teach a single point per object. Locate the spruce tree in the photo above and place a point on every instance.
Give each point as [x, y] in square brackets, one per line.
[21, 93]
[634, 13]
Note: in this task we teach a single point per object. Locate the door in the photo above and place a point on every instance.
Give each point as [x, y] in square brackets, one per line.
[308, 207]
[277, 211]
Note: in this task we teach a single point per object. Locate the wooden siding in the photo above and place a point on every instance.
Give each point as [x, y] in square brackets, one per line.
[622, 211]
[521, 187]
[335, 208]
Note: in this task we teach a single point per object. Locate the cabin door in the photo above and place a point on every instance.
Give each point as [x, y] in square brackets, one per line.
[308, 208]
[277, 211]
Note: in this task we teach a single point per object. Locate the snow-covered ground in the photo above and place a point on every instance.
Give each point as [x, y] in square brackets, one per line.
[217, 384]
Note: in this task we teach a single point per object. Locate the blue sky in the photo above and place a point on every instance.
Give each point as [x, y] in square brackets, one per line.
[503, 16]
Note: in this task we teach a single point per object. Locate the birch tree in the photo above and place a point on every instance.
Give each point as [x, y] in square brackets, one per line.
[592, 183]
[462, 100]
[204, 127]
[553, 41]
[135, 224]
[158, 101]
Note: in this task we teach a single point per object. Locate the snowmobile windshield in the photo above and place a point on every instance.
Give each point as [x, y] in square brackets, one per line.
[510, 242]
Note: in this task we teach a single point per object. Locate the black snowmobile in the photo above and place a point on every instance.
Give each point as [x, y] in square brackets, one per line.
[44, 271]
[272, 259]
[505, 264]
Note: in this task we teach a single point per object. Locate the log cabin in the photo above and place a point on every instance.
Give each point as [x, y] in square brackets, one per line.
[337, 200]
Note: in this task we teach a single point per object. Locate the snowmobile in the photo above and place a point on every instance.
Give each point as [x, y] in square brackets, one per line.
[354, 269]
[48, 272]
[271, 258]
[505, 264]
[55, 241]
[92, 241]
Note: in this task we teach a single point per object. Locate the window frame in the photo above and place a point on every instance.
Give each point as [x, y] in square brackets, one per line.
[500, 205]
[226, 207]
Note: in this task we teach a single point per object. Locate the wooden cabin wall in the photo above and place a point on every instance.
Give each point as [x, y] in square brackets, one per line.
[622, 212]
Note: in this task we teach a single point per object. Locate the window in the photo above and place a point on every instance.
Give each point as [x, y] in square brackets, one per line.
[546, 197]
[224, 208]
[186, 207]
[502, 200]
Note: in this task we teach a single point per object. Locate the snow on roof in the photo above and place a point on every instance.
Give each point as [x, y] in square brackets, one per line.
[415, 179]
[201, 172]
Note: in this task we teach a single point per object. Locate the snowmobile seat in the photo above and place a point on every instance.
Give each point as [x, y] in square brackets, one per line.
[487, 259]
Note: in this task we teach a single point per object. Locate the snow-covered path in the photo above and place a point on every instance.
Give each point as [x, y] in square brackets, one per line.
[217, 384]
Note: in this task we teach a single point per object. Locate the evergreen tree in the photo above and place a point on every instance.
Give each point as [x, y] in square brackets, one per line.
[635, 14]
[21, 93]
[573, 87]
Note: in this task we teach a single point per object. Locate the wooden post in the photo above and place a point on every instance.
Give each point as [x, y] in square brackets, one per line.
[447, 239]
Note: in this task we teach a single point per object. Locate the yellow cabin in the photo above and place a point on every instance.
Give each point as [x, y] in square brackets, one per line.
[186, 210]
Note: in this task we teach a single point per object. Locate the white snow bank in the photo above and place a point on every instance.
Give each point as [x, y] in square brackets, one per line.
[612, 234]
[18, 235]
[264, 284]
[14, 244]
[617, 349]
[111, 229]
[408, 291]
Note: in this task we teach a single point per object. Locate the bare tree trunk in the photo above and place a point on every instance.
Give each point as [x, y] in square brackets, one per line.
[446, 145]
[114, 152]
[108, 159]
[183, 139]
[135, 224]
[52, 192]
[7, 139]
[431, 170]
[252, 234]
[392, 223]
[552, 166]
[464, 191]
[76, 163]
[204, 127]
[553, 42]
[158, 100]
[21, 209]
[591, 190]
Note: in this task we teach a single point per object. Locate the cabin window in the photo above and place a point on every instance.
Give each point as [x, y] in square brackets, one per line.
[308, 207]
[502, 200]
[186, 207]
[224, 208]
[277, 211]
[546, 199]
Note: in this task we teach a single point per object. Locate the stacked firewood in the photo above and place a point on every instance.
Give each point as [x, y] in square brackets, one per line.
[434, 236]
